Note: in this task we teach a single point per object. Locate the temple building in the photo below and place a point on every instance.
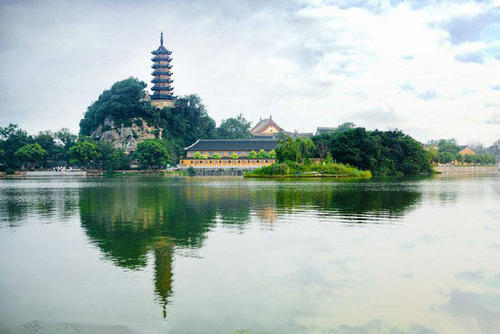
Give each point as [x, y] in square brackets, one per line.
[162, 89]
[266, 128]
[229, 153]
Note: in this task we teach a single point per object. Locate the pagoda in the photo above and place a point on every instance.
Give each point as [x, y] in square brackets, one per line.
[162, 89]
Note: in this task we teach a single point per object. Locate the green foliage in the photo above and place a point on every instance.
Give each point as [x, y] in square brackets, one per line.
[262, 154]
[186, 122]
[252, 155]
[234, 156]
[31, 153]
[272, 154]
[191, 171]
[235, 127]
[153, 153]
[203, 156]
[216, 156]
[382, 152]
[120, 103]
[296, 150]
[10, 171]
[84, 153]
[197, 155]
[294, 169]
[11, 140]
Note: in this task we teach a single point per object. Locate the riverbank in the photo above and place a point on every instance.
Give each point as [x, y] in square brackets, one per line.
[296, 170]
[450, 169]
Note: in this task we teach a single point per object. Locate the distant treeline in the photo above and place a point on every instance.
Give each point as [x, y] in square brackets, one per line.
[381, 152]
[447, 150]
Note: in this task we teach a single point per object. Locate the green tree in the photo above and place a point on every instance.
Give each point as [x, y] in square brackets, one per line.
[234, 156]
[262, 154]
[288, 150]
[235, 127]
[272, 154]
[122, 102]
[85, 153]
[152, 153]
[12, 138]
[187, 121]
[252, 155]
[31, 153]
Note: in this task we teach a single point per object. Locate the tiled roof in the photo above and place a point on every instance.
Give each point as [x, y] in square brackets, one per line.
[263, 124]
[233, 145]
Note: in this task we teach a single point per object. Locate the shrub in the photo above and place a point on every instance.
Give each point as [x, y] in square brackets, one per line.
[262, 154]
[216, 156]
[234, 156]
[191, 171]
[252, 155]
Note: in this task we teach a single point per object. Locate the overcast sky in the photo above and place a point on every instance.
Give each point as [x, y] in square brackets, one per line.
[430, 68]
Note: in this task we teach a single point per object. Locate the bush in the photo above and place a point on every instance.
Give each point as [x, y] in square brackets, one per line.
[10, 171]
[252, 155]
[216, 156]
[262, 154]
[191, 171]
[291, 168]
[234, 156]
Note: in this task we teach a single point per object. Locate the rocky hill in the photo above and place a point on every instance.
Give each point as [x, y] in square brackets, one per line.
[126, 137]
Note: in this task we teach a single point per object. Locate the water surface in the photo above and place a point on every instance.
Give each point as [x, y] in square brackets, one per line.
[229, 255]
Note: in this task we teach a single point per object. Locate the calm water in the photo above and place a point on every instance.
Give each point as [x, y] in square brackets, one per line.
[212, 255]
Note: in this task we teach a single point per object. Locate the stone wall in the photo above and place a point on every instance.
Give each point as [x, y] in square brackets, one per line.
[449, 169]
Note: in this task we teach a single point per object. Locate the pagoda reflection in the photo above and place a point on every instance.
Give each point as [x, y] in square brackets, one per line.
[133, 221]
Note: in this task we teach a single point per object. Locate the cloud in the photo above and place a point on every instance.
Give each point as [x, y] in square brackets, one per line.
[496, 87]
[308, 63]
[470, 58]
[468, 28]
[495, 119]
[376, 117]
[484, 308]
[471, 276]
[428, 95]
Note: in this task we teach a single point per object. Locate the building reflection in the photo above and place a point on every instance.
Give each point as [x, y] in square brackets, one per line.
[132, 219]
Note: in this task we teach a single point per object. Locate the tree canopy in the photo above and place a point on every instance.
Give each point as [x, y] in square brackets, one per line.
[382, 152]
[234, 127]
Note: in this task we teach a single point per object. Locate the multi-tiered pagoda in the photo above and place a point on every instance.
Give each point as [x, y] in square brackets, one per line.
[162, 90]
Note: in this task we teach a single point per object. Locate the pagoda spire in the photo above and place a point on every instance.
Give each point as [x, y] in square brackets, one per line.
[162, 90]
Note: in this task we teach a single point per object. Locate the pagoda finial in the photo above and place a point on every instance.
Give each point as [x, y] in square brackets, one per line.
[161, 38]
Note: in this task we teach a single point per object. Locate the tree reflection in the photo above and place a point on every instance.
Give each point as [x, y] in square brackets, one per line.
[129, 219]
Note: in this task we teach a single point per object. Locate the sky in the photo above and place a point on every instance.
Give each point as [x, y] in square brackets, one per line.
[429, 68]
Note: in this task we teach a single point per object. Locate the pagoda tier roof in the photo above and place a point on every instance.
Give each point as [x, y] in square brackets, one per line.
[161, 73]
[157, 96]
[160, 58]
[233, 145]
[161, 51]
[157, 80]
[169, 88]
[169, 66]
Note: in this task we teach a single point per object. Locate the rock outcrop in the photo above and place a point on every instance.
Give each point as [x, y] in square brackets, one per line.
[126, 137]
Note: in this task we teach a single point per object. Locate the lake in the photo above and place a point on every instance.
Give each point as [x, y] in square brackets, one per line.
[233, 255]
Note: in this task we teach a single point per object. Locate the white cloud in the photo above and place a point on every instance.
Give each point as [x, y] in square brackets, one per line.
[308, 63]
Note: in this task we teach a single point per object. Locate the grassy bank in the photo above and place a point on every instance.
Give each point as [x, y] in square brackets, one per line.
[291, 169]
